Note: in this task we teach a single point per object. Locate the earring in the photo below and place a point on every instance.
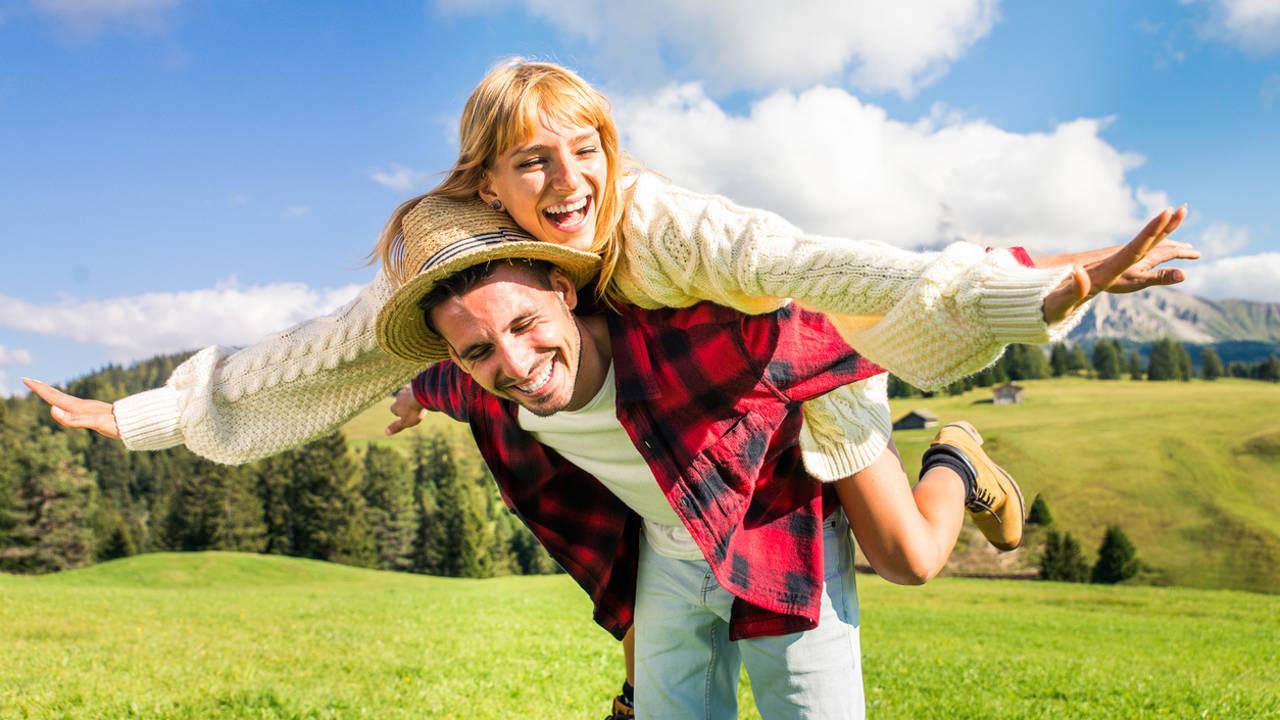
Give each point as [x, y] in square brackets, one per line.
[496, 204]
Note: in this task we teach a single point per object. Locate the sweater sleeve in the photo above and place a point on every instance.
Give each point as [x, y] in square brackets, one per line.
[930, 318]
[235, 406]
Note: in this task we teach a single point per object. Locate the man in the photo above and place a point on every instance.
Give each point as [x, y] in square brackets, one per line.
[654, 454]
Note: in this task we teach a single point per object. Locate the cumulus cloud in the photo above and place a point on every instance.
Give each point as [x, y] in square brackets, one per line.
[1252, 25]
[1243, 277]
[135, 328]
[763, 44]
[834, 165]
[10, 358]
[1221, 239]
[398, 177]
[89, 17]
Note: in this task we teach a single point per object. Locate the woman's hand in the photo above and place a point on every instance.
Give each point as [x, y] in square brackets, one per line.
[1120, 269]
[75, 412]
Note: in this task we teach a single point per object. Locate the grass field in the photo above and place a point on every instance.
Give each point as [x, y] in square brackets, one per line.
[225, 635]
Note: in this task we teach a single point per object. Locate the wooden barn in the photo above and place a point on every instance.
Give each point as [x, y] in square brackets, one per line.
[916, 419]
[1007, 394]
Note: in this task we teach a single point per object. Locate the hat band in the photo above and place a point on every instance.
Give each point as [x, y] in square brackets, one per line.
[496, 237]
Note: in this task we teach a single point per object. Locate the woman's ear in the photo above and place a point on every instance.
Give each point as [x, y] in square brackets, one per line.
[485, 191]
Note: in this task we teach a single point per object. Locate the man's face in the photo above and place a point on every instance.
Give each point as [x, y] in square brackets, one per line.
[519, 340]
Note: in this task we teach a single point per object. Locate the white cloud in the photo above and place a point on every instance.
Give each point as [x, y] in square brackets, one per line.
[135, 328]
[89, 17]
[10, 358]
[1252, 25]
[1244, 277]
[399, 177]
[835, 165]
[1221, 239]
[762, 44]
[14, 357]
[298, 210]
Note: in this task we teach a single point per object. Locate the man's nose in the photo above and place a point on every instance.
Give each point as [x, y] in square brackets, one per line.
[516, 358]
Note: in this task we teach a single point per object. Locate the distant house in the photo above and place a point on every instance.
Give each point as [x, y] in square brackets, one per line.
[1007, 394]
[916, 419]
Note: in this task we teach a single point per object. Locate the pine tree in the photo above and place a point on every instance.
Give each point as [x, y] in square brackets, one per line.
[387, 488]
[1039, 513]
[1182, 361]
[1105, 362]
[1135, 365]
[1062, 560]
[328, 516]
[1210, 364]
[1059, 360]
[1079, 360]
[216, 507]
[1269, 369]
[55, 499]
[1117, 559]
[1163, 363]
[1025, 362]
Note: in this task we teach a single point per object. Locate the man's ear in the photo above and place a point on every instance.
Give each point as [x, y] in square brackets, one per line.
[561, 283]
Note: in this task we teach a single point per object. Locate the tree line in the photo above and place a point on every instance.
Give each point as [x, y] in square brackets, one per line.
[1168, 360]
[70, 498]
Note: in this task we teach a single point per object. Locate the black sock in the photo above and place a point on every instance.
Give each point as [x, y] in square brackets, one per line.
[947, 456]
[628, 693]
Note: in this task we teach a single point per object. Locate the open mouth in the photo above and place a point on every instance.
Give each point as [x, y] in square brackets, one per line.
[569, 216]
[538, 382]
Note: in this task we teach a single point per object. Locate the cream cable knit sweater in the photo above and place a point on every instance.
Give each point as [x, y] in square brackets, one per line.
[929, 317]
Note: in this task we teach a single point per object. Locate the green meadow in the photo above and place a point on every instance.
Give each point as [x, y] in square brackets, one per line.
[226, 635]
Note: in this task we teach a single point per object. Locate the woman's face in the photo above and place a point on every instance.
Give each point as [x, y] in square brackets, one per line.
[550, 183]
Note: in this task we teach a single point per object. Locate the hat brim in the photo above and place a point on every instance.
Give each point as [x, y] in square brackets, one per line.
[402, 331]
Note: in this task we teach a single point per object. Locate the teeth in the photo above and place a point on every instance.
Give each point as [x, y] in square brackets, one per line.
[567, 207]
[537, 382]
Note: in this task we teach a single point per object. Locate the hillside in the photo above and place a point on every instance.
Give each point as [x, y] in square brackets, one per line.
[1190, 471]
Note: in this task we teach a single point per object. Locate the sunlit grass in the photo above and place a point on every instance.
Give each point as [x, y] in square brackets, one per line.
[241, 636]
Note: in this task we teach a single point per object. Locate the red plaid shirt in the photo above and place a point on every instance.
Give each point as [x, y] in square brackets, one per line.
[711, 398]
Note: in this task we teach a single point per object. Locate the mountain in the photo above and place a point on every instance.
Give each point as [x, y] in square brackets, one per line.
[1161, 311]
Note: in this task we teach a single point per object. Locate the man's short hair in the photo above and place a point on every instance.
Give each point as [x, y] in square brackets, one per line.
[467, 279]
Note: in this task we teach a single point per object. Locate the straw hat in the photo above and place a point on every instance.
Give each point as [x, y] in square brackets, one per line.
[443, 237]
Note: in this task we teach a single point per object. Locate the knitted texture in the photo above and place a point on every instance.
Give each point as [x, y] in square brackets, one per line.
[929, 317]
[285, 390]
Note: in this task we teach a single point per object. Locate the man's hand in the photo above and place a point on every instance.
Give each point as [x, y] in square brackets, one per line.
[1120, 269]
[75, 412]
[406, 409]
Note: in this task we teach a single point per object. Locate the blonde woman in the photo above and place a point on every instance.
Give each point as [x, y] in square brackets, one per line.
[539, 142]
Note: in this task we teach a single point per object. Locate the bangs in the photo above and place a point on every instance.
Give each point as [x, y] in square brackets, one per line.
[542, 104]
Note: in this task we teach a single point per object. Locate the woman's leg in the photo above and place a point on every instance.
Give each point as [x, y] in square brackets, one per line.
[908, 533]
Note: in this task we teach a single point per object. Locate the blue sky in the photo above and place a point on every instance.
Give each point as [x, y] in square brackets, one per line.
[180, 173]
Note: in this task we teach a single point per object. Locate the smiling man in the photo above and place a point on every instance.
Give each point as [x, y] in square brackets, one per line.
[654, 454]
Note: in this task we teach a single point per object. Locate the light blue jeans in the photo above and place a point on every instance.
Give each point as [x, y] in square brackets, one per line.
[686, 667]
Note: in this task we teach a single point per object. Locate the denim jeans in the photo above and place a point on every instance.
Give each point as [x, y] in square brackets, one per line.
[686, 667]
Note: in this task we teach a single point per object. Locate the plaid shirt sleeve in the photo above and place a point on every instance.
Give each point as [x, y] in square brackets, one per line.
[443, 387]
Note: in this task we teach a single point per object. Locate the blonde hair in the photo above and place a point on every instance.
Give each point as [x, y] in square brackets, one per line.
[504, 110]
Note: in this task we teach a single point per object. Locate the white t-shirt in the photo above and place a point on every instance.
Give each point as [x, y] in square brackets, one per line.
[594, 440]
